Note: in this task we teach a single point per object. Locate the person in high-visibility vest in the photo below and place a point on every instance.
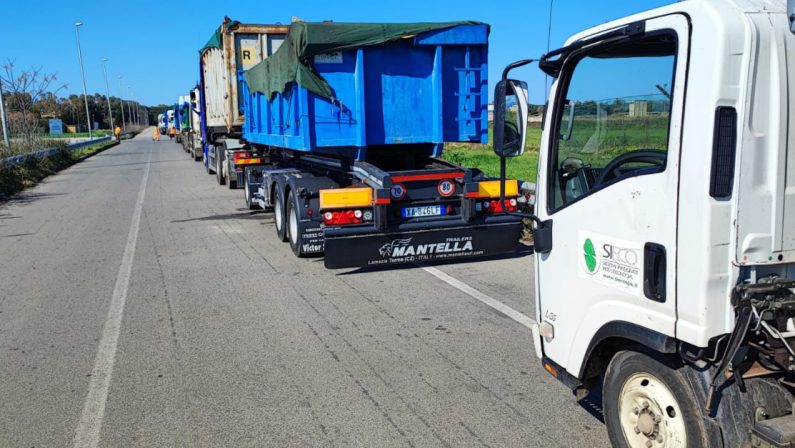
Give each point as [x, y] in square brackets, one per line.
[157, 135]
[117, 132]
[171, 132]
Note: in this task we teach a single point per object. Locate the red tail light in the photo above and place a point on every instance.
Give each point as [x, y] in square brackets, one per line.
[241, 155]
[493, 206]
[343, 217]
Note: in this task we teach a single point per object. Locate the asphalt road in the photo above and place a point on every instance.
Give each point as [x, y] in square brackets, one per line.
[182, 321]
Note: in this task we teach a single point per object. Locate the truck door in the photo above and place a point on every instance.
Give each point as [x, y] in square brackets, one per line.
[611, 179]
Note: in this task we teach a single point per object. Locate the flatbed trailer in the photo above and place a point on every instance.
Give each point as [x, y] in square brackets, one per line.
[358, 177]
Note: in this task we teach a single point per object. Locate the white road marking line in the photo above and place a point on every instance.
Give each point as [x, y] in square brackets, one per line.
[474, 293]
[87, 433]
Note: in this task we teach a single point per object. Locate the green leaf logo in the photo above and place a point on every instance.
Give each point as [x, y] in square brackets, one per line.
[590, 255]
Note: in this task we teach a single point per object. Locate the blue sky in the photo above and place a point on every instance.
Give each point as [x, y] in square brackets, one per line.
[154, 45]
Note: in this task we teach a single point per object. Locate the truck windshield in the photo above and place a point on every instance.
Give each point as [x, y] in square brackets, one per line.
[620, 119]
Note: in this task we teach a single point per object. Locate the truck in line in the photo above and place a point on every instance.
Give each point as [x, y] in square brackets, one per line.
[233, 48]
[667, 166]
[344, 149]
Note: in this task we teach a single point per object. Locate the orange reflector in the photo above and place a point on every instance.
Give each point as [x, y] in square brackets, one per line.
[346, 197]
[491, 189]
[248, 161]
[551, 370]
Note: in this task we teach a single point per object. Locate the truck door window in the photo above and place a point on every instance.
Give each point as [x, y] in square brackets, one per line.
[613, 117]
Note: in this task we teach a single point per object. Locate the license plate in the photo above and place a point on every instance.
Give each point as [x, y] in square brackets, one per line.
[417, 212]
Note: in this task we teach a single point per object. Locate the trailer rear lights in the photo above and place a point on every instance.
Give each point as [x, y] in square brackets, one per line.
[248, 161]
[237, 155]
[346, 197]
[491, 189]
[493, 206]
[342, 217]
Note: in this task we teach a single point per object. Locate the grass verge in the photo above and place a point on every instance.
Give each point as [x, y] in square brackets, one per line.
[471, 155]
[14, 179]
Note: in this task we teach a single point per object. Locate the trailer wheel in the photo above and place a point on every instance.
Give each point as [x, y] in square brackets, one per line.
[219, 174]
[278, 215]
[648, 402]
[293, 229]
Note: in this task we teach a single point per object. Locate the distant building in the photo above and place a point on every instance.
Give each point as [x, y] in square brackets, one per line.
[639, 108]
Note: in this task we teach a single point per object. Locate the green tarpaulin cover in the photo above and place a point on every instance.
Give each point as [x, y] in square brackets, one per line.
[215, 39]
[292, 62]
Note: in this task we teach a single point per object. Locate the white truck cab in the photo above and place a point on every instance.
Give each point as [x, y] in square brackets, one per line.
[665, 237]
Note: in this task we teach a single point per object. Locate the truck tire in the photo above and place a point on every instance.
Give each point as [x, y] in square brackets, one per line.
[293, 228]
[645, 399]
[278, 215]
[219, 173]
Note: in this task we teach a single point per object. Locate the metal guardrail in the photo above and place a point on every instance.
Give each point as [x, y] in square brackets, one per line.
[40, 154]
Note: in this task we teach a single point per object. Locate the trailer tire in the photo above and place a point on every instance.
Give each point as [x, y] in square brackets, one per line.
[278, 215]
[645, 398]
[293, 228]
[219, 174]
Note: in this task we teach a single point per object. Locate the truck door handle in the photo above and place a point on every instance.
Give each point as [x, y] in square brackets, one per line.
[654, 270]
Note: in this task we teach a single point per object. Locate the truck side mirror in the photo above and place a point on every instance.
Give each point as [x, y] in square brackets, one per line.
[510, 117]
[791, 14]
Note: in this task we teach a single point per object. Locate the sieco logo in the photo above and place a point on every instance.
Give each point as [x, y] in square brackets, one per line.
[591, 260]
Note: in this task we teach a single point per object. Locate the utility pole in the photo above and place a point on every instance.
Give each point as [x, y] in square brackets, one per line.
[83, 75]
[107, 92]
[129, 106]
[121, 95]
[3, 117]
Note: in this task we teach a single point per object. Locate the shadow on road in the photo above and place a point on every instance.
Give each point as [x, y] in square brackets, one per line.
[247, 214]
[27, 198]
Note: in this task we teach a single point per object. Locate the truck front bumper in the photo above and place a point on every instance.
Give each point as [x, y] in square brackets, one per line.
[429, 241]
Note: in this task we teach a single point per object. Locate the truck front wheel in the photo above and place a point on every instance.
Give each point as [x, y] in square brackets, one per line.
[649, 403]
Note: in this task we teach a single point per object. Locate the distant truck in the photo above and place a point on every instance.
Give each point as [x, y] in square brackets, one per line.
[343, 132]
[181, 118]
[232, 49]
[162, 125]
[190, 124]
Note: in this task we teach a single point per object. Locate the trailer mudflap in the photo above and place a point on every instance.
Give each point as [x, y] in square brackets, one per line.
[345, 249]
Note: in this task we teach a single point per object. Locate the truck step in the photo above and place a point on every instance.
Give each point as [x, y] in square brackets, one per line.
[777, 432]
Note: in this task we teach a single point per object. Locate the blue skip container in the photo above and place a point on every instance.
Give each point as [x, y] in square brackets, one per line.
[416, 91]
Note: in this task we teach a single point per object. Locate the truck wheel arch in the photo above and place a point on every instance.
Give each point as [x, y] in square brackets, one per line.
[616, 336]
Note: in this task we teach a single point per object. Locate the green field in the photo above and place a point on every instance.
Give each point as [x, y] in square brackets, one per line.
[595, 146]
[472, 155]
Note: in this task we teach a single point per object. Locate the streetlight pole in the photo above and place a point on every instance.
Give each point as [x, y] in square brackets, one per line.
[121, 95]
[83, 75]
[3, 117]
[107, 92]
[129, 106]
